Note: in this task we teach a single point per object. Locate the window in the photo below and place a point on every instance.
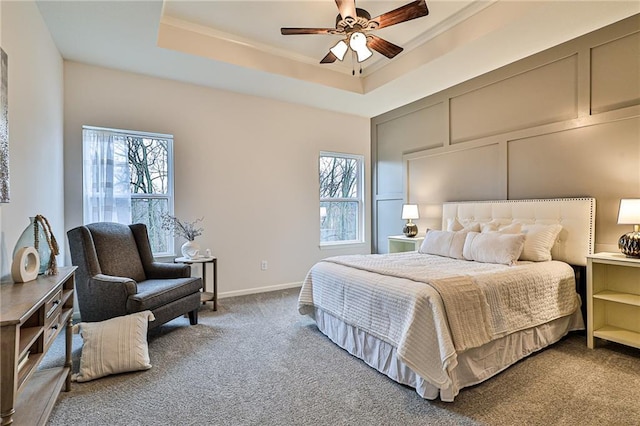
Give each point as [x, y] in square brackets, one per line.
[341, 198]
[128, 178]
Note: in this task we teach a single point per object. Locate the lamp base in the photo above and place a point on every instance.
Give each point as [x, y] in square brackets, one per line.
[410, 229]
[629, 244]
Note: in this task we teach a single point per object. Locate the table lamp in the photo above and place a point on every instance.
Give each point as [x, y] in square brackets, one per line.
[629, 214]
[410, 212]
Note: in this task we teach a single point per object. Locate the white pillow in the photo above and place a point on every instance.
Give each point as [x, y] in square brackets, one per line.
[443, 243]
[539, 241]
[116, 345]
[512, 228]
[453, 224]
[493, 247]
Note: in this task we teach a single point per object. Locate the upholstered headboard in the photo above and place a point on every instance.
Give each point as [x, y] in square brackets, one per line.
[576, 215]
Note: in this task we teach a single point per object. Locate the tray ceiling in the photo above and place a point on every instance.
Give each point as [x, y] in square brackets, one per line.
[237, 45]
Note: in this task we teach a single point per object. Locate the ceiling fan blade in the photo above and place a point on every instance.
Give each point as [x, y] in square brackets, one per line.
[295, 31]
[330, 58]
[380, 45]
[413, 10]
[347, 8]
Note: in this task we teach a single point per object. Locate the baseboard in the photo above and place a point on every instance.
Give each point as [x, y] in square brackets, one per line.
[258, 290]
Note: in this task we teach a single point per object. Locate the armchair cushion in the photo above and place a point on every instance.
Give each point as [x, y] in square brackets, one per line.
[154, 293]
[117, 250]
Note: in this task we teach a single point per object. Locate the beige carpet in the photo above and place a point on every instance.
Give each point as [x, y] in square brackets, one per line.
[258, 362]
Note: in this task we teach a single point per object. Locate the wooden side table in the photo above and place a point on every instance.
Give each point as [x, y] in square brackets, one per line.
[205, 296]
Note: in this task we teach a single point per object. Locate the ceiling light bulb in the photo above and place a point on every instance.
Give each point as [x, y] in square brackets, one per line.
[340, 49]
[358, 43]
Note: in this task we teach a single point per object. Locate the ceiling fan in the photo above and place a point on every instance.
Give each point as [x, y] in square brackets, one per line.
[355, 25]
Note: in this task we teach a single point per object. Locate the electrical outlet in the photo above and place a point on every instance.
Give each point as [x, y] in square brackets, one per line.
[264, 265]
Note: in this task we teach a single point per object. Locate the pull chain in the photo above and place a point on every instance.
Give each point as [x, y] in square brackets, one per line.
[353, 64]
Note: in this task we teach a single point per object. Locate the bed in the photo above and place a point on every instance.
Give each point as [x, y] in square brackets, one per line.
[494, 285]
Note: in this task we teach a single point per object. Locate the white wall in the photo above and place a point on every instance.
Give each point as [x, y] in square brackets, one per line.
[35, 126]
[248, 165]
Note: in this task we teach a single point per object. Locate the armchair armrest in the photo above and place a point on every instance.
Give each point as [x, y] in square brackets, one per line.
[159, 270]
[107, 297]
[127, 284]
[153, 269]
[106, 286]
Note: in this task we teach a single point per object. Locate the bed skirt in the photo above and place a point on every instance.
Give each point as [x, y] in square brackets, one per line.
[471, 367]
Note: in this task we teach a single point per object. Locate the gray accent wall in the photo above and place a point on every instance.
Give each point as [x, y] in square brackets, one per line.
[562, 123]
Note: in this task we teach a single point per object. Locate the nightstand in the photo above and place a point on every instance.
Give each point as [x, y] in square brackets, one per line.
[205, 296]
[400, 243]
[613, 299]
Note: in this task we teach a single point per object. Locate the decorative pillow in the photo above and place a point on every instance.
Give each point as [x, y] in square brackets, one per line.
[489, 226]
[453, 224]
[493, 247]
[443, 243]
[539, 241]
[116, 345]
[494, 226]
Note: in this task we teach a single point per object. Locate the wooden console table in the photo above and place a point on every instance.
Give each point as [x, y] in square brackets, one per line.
[32, 314]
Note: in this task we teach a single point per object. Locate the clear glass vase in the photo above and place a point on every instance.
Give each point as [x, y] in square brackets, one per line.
[27, 239]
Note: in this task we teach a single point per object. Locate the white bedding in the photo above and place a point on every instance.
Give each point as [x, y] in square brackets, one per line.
[387, 298]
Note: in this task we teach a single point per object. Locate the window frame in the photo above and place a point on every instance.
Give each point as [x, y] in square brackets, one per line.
[360, 217]
[169, 196]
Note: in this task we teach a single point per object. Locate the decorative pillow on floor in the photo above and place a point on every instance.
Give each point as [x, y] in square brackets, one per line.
[116, 345]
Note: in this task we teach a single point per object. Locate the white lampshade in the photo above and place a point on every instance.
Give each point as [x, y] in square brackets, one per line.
[340, 49]
[358, 43]
[629, 212]
[410, 211]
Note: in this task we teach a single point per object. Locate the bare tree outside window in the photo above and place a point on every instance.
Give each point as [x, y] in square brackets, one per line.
[149, 174]
[127, 178]
[340, 197]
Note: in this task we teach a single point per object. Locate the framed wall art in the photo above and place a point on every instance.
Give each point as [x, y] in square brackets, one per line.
[4, 129]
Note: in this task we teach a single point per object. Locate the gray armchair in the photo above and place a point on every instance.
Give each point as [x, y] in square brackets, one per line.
[117, 275]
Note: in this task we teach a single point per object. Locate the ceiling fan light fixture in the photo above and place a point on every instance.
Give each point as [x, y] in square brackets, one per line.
[340, 49]
[358, 43]
[355, 24]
